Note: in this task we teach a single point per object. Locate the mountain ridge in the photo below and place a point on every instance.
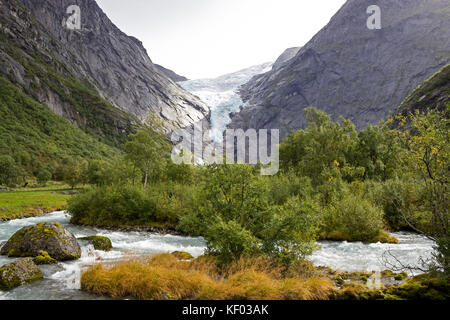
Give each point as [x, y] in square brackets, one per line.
[347, 69]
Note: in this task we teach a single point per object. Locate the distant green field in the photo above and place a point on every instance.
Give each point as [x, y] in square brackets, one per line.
[29, 203]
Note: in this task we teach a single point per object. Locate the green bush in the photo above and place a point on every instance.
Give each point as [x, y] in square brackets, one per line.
[9, 172]
[235, 218]
[355, 218]
[286, 185]
[43, 176]
[112, 205]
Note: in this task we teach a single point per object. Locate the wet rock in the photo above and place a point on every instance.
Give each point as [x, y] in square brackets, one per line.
[181, 255]
[51, 237]
[44, 258]
[18, 273]
[99, 242]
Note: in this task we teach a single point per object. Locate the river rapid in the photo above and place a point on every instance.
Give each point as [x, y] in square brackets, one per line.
[62, 281]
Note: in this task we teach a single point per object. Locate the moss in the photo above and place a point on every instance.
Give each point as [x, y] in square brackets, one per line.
[181, 255]
[433, 286]
[44, 258]
[99, 242]
[357, 291]
[382, 237]
[401, 276]
[18, 273]
[385, 237]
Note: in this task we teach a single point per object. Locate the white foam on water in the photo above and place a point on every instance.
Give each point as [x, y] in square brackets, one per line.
[63, 281]
[358, 256]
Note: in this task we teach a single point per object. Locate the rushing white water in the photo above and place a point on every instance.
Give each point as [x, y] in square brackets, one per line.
[62, 281]
[220, 94]
[358, 256]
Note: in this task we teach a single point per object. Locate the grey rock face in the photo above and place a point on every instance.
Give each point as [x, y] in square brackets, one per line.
[349, 70]
[116, 65]
[287, 55]
[18, 273]
[171, 74]
[51, 237]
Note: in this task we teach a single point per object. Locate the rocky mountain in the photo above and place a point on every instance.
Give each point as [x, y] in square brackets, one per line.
[80, 73]
[287, 55]
[434, 93]
[348, 69]
[171, 74]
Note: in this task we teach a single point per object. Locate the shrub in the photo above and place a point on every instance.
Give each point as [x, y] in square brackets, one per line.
[43, 176]
[354, 217]
[8, 170]
[236, 219]
[114, 205]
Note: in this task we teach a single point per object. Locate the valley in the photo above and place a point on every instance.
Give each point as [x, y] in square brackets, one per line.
[357, 211]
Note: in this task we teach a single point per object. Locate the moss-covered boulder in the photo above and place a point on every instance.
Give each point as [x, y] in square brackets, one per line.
[99, 242]
[44, 258]
[51, 237]
[181, 255]
[430, 286]
[18, 273]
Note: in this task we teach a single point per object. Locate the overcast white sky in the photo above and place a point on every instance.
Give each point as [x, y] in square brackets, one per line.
[209, 38]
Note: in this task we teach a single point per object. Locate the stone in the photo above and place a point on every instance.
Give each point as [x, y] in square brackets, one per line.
[51, 237]
[18, 273]
[181, 255]
[99, 242]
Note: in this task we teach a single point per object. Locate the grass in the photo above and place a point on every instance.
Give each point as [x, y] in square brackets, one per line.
[24, 203]
[163, 277]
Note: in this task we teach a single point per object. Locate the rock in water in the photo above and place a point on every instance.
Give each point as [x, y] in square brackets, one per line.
[181, 255]
[51, 237]
[99, 242]
[18, 273]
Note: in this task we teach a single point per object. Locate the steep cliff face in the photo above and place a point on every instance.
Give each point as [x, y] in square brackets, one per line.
[100, 56]
[171, 74]
[287, 55]
[432, 94]
[349, 70]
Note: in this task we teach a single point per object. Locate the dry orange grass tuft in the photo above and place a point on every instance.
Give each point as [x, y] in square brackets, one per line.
[164, 277]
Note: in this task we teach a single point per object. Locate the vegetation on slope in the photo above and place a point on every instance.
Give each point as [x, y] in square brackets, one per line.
[432, 94]
[36, 138]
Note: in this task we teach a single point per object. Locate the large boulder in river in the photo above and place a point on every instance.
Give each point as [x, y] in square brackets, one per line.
[51, 237]
[18, 273]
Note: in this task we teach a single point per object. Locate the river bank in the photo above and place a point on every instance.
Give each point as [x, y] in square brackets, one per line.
[62, 281]
[30, 202]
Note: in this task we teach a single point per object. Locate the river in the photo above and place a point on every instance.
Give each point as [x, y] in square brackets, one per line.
[62, 281]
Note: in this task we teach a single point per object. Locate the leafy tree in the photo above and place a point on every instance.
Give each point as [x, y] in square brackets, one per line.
[320, 151]
[43, 176]
[8, 170]
[377, 152]
[145, 151]
[426, 155]
[236, 219]
[74, 172]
